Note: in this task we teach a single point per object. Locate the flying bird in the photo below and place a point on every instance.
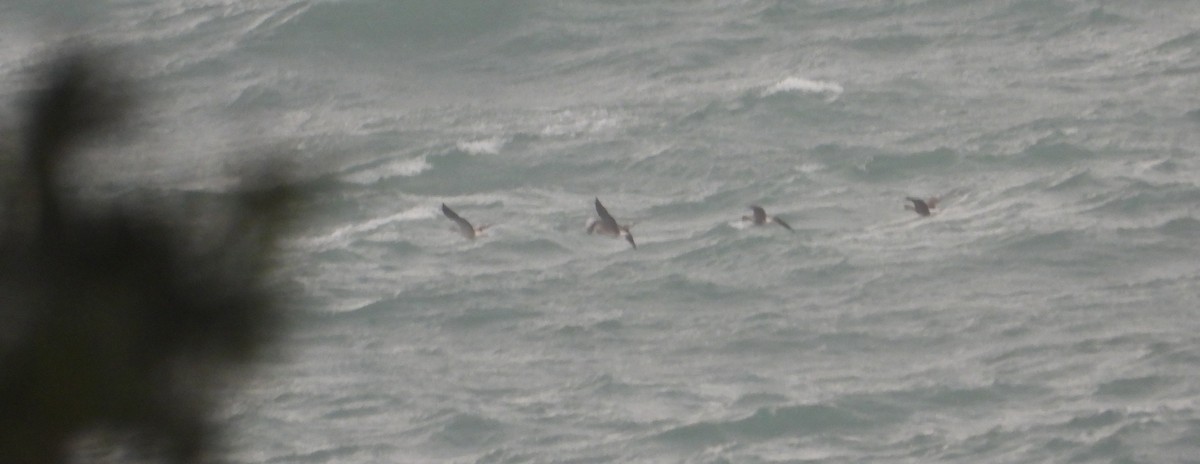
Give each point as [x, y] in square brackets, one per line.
[760, 218]
[465, 228]
[922, 207]
[606, 225]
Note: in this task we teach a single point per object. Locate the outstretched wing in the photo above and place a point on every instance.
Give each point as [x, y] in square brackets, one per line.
[463, 226]
[780, 222]
[606, 220]
[450, 213]
[760, 215]
[919, 205]
[629, 238]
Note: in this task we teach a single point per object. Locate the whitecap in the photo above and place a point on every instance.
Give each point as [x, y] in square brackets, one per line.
[809, 168]
[490, 146]
[831, 90]
[574, 123]
[343, 234]
[740, 224]
[398, 168]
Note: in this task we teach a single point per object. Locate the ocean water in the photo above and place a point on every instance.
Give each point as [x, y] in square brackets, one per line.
[1047, 311]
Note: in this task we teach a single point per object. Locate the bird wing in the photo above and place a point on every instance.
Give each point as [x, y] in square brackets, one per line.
[629, 238]
[606, 220]
[780, 222]
[919, 205]
[449, 212]
[760, 215]
[463, 226]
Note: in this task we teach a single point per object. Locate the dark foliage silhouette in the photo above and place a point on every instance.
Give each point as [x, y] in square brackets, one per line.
[112, 323]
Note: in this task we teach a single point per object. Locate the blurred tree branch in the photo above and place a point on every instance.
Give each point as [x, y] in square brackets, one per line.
[108, 322]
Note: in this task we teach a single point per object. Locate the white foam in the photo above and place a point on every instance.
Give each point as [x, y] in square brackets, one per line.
[575, 123]
[342, 234]
[809, 168]
[832, 90]
[490, 146]
[398, 168]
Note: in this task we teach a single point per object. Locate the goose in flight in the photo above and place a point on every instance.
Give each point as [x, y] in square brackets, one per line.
[465, 228]
[760, 218]
[606, 225]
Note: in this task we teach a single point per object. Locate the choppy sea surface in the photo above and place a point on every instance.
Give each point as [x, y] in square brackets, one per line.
[1048, 310]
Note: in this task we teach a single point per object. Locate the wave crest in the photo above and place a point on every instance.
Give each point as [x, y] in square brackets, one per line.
[831, 90]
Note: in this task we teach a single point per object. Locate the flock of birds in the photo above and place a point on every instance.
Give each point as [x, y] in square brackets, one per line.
[606, 224]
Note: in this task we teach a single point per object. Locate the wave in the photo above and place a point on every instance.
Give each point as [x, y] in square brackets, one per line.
[1049, 150]
[1123, 440]
[1184, 227]
[469, 431]
[480, 317]
[1043, 244]
[831, 90]
[533, 247]
[388, 170]
[342, 235]
[1135, 387]
[760, 400]
[771, 422]
[604, 384]
[906, 165]
[1081, 180]
[426, 165]
[487, 146]
[890, 44]
[330, 454]
[370, 27]
[1139, 200]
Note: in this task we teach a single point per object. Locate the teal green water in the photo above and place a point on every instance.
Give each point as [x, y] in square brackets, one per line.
[1047, 311]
